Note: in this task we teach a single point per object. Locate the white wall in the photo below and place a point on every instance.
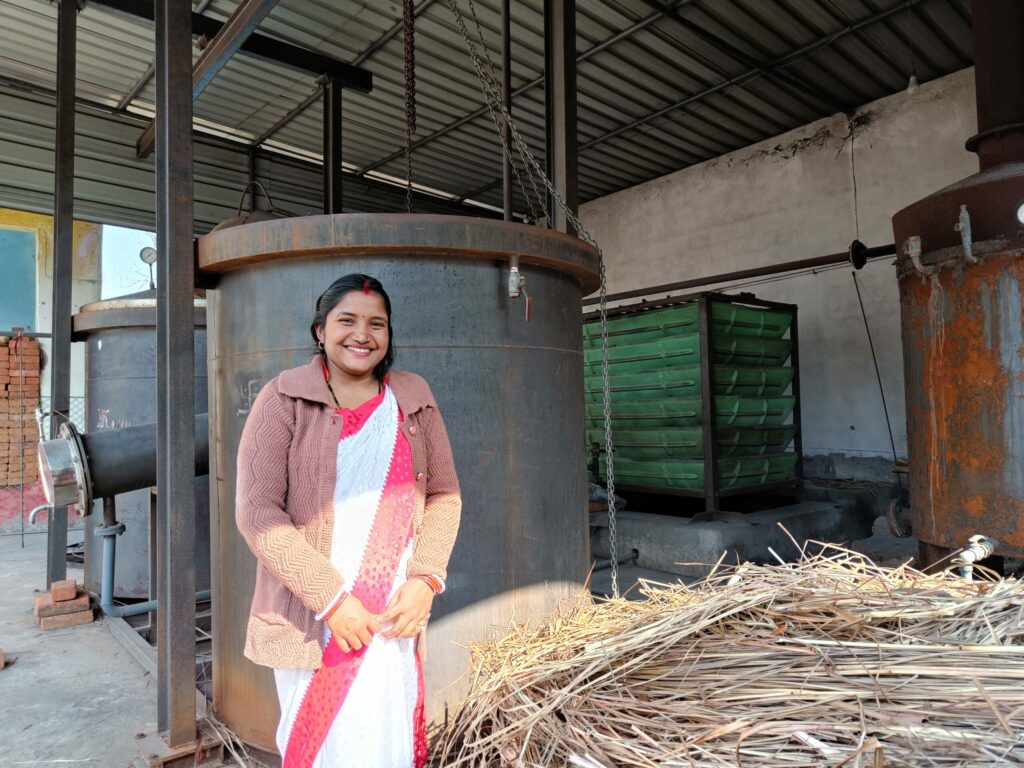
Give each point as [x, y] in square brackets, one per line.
[807, 193]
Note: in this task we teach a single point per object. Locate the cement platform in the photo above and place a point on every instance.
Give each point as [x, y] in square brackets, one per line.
[72, 697]
[688, 548]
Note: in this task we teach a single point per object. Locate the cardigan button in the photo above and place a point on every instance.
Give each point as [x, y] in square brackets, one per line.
[419, 476]
[412, 430]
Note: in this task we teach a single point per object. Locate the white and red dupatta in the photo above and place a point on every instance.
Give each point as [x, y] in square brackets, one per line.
[363, 708]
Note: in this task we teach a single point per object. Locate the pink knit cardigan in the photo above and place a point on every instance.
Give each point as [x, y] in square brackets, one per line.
[284, 505]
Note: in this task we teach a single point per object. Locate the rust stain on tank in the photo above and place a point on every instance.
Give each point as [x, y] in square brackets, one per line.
[964, 360]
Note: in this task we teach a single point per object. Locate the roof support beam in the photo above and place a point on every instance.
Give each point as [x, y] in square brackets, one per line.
[537, 81]
[229, 38]
[782, 61]
[739, 80]
[361, 59]
[260, 46]
[792, 84]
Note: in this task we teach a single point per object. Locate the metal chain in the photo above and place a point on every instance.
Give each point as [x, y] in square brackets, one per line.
[491, 94]
[409, 38]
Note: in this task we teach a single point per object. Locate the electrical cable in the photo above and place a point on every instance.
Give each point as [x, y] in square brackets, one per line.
[878, 374]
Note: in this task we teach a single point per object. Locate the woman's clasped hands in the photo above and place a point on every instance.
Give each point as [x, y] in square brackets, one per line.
[353, 626]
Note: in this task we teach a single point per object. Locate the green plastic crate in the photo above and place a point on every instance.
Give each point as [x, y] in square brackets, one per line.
[682, 351]
[689, 475]
[686, 412]
[688, 443]
[685, 382]
[678, 320]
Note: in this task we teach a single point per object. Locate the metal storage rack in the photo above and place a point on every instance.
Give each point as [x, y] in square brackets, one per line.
[683, 369]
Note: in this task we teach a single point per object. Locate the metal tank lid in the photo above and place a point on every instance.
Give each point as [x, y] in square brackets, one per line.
[129, 311]
[398, 234]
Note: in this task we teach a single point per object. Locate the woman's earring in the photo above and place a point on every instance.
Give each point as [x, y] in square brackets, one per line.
[321, 345]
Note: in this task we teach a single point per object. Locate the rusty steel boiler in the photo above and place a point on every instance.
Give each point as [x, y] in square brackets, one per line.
[120, 391]
[510, 389]
[961, 270]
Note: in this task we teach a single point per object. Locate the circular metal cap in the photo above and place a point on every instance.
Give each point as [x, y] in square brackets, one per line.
[63, 471]
[131, 311]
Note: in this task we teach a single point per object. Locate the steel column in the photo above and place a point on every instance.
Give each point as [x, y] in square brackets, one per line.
[176, 582]
[560, 106]
[63, 229]
[332, 146]
[506, 97]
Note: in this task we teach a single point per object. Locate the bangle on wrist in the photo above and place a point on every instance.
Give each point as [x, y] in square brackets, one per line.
[336, 603]
[435, 584]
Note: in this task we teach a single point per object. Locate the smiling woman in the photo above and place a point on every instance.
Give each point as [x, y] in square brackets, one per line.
[347, 495]
[352, 328]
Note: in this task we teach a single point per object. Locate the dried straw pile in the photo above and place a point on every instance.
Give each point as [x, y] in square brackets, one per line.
[832, 661]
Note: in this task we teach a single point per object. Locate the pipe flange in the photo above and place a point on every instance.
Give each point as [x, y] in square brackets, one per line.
[114, 529]
[858, 254]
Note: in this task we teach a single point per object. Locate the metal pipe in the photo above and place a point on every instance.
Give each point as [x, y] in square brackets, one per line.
[122, 460]
[110, 530]
[36, 511]
[999, 93]
[858, 253]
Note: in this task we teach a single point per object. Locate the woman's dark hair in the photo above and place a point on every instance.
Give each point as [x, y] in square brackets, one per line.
[336, 292]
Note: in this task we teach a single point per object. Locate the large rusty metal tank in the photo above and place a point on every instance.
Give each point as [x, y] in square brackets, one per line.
[120, 391]
[510, 389]
[961, 272]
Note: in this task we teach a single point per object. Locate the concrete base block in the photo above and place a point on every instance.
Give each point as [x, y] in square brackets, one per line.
[690, 549]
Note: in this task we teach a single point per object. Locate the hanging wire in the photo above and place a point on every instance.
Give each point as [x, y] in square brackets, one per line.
[878, 373]
[493, 98]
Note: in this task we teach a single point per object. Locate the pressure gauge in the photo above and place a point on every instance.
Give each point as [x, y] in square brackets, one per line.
[148, 255]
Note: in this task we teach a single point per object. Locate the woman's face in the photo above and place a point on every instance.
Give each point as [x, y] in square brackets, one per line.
[355, 336]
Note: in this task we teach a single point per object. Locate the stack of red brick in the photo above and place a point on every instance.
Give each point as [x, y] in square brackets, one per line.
[19, 400]
[65, 605]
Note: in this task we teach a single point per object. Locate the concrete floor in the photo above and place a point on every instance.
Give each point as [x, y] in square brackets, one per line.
[72, 697]
[76, 697]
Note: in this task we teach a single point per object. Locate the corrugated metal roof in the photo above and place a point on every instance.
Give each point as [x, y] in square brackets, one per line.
[662, 84]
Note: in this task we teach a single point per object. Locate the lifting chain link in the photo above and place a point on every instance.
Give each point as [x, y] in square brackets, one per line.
[409, 40]
[495, 105]
[492, 92]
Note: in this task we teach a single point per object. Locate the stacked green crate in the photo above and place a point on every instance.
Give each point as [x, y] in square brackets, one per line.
[655, 378]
